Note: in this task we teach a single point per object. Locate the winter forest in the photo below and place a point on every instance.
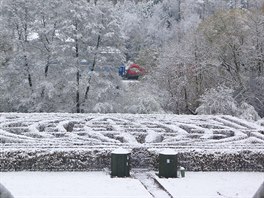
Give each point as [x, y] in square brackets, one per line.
[200, 56]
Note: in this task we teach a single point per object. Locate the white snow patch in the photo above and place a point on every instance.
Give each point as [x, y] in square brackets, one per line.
[120, 151]
[153, 137]
[168, 152]
[101, 185]
[214, 184]
[71, 185]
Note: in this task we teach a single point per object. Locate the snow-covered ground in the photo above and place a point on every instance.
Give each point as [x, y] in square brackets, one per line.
[71, 185]
[214, 184]
[18, 130]
[100, 185]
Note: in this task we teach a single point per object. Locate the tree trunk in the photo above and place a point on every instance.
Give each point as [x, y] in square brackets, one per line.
[25, 27]
[28, 73]
[93, 67]
[78, 92]
[45, 75]
[78, 103]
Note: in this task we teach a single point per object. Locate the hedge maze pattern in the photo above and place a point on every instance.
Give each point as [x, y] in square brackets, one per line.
[85, 141]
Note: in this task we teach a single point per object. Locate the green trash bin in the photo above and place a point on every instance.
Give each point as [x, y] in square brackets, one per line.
[168, 162]
[120, 163]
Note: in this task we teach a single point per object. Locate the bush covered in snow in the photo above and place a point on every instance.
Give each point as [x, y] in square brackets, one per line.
[82, 160]
[84, 141]
[45, 160]
[222, 161]
[220, 100]
[248, 112]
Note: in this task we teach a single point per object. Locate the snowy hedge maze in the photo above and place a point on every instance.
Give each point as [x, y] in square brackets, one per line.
[85, 141]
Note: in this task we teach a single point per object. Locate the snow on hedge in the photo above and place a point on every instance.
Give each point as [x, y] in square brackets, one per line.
[85, 141]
